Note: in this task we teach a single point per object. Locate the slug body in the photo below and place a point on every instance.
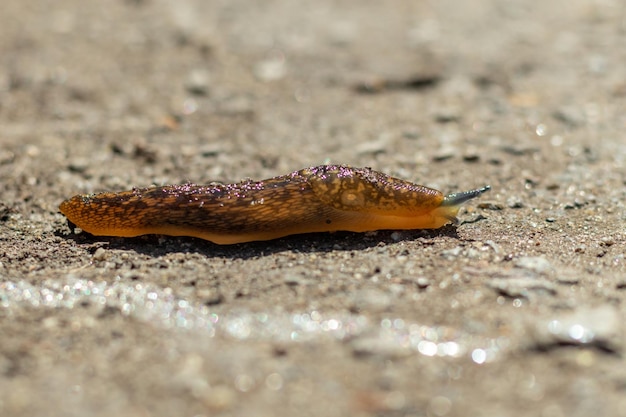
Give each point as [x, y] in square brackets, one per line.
[318, 199]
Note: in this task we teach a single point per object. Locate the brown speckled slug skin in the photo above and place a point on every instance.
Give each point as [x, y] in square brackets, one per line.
[318, 199]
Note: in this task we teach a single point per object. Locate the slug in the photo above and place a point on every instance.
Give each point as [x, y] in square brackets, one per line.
[318, 199]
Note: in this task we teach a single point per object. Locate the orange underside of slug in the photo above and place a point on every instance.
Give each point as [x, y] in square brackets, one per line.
[354, 222]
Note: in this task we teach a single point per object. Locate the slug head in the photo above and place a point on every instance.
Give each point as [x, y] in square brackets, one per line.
[383, 202]
[452, 202]
[364, 190]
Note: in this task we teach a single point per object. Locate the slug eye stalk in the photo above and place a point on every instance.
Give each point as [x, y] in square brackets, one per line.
[452, 202]
[456, 199]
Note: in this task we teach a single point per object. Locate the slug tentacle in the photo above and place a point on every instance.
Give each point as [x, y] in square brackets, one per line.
[318, 199]
[456, 199]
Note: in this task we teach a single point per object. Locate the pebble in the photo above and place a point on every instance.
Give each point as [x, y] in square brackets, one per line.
[50, 322]
[100, 255]
[208, 150]
[371, 300]
[79, 165]
[209, 296]
[294, 280]
[607, 241]
[422, 282]
[519, 150]
[379, 346]
[413, 133]
[490, 205]
[453, 253]
[537, 264]
[572, 116]
[271, 69]
[568, 278]
[471, 156]
[444, 153]
[493, 245]
[514, 202]
[447, 115]
[522, 287]
[591, 326]
[198, 82]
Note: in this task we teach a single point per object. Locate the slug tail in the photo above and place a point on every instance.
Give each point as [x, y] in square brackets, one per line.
[456, 199]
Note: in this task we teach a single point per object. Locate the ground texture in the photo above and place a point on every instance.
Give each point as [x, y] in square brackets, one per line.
[516, 311]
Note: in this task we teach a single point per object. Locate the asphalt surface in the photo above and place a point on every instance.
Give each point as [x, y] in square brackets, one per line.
[516, 311]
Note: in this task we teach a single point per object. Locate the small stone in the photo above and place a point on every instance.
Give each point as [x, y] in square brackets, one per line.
[411, 134]
[271, 69]
[402, 259]
[580, 203]
[422, 282]
[294, 280]
[592, 326]
[490, 205]
[79, 165]
[537, 264]
[50, 322]
[370, 300]
[514, 202]
[447, 115]
[209, 296]
[521, 287]
[198, 82]
[209, 149]
[100, 255]
[494, 246]
[371, 85]
[519, 150]
[568, 278]
[385, 347]
[453, 253]
[572, 116]
[607, 241]
[471, 156]
[444, 153]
